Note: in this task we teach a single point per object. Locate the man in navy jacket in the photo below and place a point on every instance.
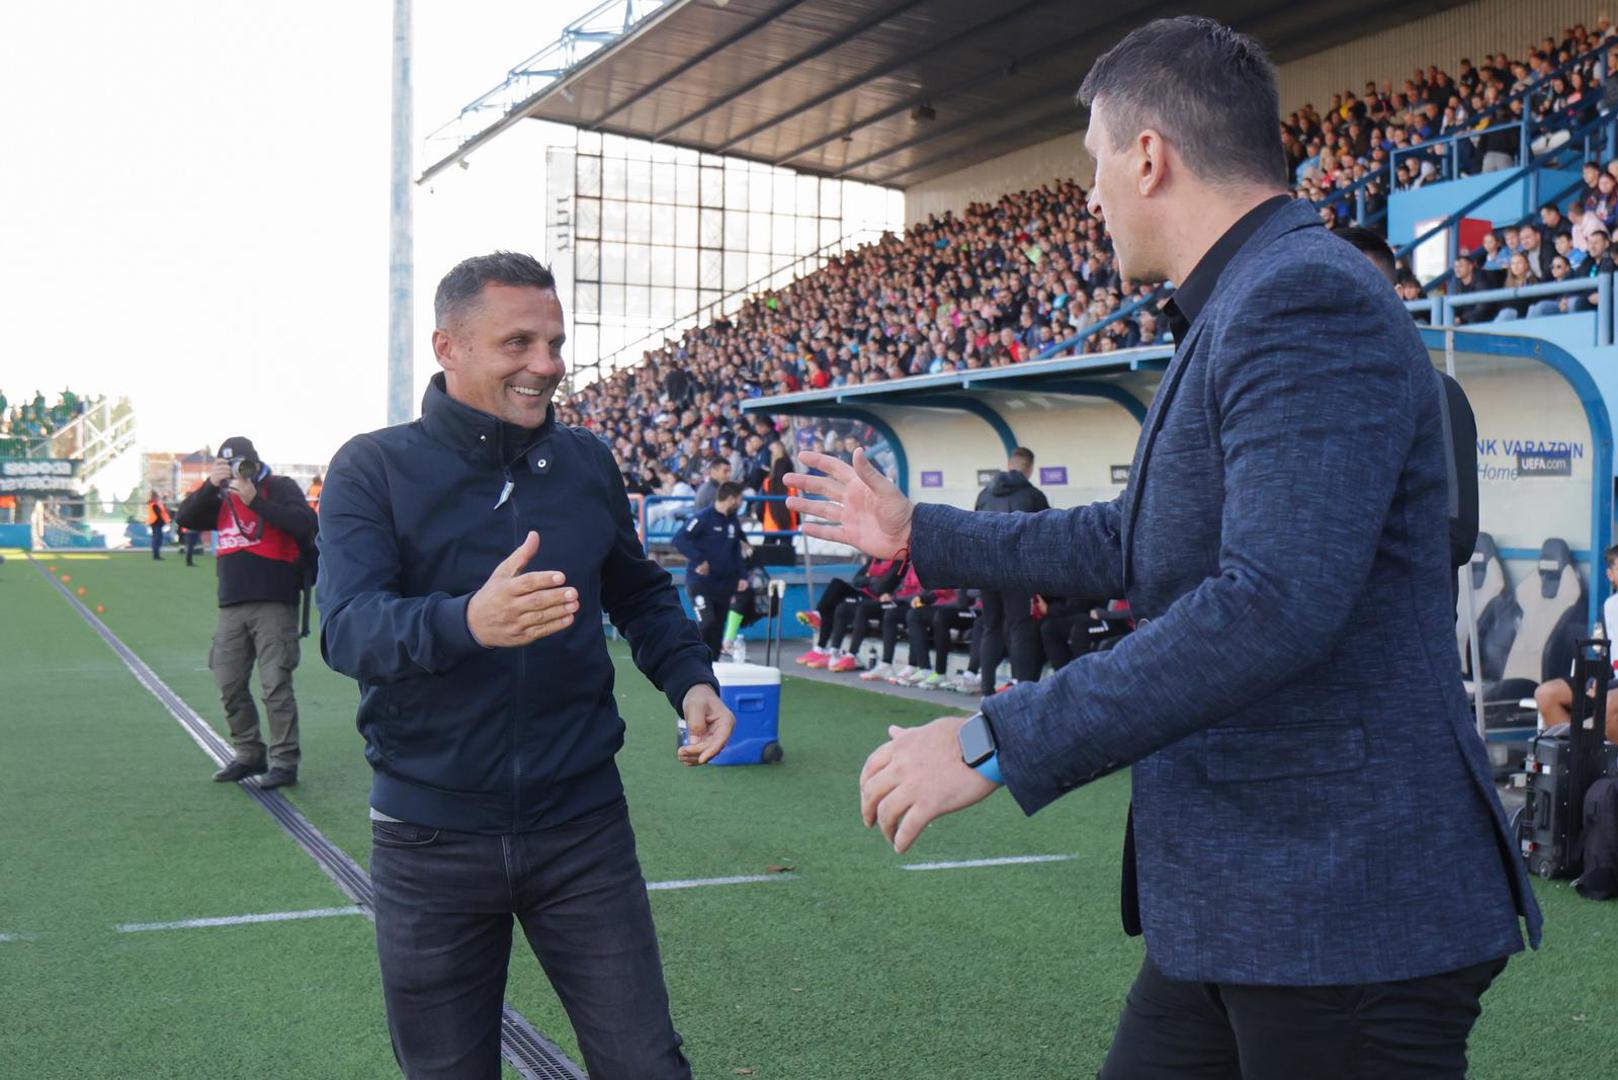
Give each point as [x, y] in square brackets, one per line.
[1317, 856]
[715, 550]
[486, 696]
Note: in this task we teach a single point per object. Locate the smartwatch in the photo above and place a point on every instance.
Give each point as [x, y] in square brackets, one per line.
[978, 749]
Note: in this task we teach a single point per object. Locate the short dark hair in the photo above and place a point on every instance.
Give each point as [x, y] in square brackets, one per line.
[1209, 90]
[718, 463]
[1375, 248]
[1022, 457]
[1612, 555]
[730, 489]
[462, 286]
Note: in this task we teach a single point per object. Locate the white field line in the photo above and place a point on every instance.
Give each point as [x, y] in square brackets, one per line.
[697, 883]
[967, 864]
[239, 920]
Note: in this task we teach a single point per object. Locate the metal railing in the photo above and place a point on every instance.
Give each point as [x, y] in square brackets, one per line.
[1442, 308]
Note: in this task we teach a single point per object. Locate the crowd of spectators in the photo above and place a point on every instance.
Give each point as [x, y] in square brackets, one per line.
[1002, 283]
[1357, 135]
[29, 420]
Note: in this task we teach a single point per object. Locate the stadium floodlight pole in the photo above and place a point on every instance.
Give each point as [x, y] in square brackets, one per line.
[401, 367]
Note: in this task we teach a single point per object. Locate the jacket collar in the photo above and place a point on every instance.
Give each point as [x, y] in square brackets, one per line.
[475, 433]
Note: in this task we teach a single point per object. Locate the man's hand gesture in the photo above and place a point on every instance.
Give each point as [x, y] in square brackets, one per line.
[516, 608]
[708, 724]
[862, 508]
[916, 776]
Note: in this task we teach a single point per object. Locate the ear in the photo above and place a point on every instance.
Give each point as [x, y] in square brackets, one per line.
[444, 350]
[1151, 161]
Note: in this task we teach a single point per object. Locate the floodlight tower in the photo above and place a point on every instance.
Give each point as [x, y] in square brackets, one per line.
[401, 366]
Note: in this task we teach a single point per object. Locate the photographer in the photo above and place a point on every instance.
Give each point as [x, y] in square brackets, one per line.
[263, 522]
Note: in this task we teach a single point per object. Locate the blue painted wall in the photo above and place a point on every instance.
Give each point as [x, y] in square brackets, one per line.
[1510, 206]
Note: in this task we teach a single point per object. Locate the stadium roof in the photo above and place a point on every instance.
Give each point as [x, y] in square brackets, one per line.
[894, 92]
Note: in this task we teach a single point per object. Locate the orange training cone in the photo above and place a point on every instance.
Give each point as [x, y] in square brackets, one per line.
[81, 590]
[66, 578]
[100, 610]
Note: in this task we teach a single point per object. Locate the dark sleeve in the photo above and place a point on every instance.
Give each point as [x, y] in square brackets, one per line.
[1076, 552]
[281, 503]
[1040, 501]
[369, 631]
[640, 599]
[686, 542]
[1291, 407]
[890, 581]
[199, 511]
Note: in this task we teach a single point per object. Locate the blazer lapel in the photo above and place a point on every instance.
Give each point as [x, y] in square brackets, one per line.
[1154, 423]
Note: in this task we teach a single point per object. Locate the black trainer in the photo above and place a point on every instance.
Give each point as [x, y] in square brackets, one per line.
[238, 770]
[279, 777]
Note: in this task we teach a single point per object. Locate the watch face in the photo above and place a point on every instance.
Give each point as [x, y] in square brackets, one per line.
[976, 742]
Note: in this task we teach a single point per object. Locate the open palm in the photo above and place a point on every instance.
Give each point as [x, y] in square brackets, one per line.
[859, 506]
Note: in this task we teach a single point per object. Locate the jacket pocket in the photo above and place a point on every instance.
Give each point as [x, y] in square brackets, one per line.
[1245, 754]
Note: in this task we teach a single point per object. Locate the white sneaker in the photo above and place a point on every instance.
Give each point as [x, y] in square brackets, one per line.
[918, 676]
[881, 671]
[900, 676]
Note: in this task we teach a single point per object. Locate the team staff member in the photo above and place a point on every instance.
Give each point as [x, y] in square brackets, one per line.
[1312, 905]
[467, 559]
[262, 523]
[716, 551]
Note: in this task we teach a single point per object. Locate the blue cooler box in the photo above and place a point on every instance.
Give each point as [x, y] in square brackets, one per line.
[753, 693]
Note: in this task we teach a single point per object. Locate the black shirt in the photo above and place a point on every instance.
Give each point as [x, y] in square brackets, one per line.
[1193, 294]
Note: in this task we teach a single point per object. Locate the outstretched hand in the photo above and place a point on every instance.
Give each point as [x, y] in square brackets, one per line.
[861, 507]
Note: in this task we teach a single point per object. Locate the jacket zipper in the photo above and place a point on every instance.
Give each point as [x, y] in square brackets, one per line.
[522, 660]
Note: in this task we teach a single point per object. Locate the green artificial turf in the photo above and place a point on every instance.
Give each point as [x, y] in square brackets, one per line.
[842, 966]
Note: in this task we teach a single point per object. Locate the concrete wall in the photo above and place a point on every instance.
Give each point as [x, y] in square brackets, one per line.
[1031, 167]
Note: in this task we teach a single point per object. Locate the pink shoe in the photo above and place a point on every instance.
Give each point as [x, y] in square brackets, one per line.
[810, 619]
[844, 663]
[821, 660]
[811, 656]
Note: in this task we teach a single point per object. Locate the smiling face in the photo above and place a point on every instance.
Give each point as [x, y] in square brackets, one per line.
[503, 354]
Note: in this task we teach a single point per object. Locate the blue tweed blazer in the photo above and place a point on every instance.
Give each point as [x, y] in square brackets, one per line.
[1311, 802]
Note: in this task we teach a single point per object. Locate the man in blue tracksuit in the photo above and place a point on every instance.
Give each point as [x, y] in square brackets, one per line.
[467, 560]
[715, 550]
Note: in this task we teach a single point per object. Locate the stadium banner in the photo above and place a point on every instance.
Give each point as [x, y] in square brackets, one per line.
[41, 476]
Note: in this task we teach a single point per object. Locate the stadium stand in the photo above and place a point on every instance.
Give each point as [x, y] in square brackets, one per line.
[1032, 274]
[1006, 282]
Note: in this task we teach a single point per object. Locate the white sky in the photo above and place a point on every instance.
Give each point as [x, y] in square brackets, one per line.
[194, 206]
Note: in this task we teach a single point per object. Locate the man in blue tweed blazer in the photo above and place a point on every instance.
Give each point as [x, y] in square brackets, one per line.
[1316, 854]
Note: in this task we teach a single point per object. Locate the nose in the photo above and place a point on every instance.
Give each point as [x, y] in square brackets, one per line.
[1093, 203]
[546, 362]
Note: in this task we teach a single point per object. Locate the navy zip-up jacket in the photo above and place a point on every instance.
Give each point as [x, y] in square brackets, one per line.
[412, 523]
[715, 539]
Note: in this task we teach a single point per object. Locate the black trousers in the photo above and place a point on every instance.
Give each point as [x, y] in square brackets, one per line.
[1008, 627]
[157, 541]
[1223, 1031]
[853, 620]
[837, 592]
[711, 602]
[1063, 637]
[927, 629]
[193, 540]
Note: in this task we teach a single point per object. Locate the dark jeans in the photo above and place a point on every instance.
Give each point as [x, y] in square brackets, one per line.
[444, 905]
[1223, 1031]
[193, 540]
[157, 542]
